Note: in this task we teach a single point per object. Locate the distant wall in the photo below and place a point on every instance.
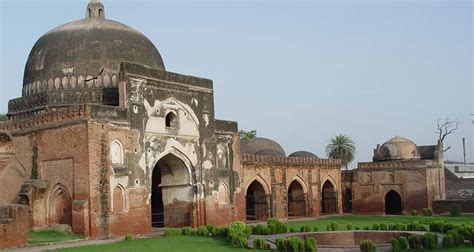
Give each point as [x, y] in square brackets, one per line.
[14, 226]
[443, 206]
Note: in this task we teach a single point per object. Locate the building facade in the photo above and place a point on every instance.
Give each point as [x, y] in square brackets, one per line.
[402, 177]
[108, 142]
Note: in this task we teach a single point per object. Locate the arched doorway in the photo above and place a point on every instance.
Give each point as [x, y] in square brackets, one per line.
[256, 202]
[348, 200]
[296, 200]
[61, 206]
[393, 203]
[171, 193]
[329, 198]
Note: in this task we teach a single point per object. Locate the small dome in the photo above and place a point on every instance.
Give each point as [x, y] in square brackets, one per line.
[397, 148]
[91, 46]
[262, 146]
[303, 154]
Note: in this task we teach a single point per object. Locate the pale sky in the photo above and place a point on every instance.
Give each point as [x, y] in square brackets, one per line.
[298, 72]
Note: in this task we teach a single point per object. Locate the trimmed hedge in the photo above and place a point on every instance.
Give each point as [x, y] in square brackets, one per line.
[427, 212]
[367, 246]
[172, 232]
[403, 242]
[260, 243]
[448, 241]
[414, 241]
[429, 241]
[395, 245]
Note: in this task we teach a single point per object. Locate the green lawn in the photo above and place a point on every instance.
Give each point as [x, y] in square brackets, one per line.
[363, 220]
[190, 243]
[168, 244]
[51, 236]
[458, 249]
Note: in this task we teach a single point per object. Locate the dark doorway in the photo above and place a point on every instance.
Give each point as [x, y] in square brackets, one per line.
[348, 200]
[256, 202]
[171, 193]
[329, 200]
[296, 200]
[157, 209]
[393, 203]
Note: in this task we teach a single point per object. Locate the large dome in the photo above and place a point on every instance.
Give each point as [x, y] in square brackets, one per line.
[262, 146]
[69, 55]
[397, 148]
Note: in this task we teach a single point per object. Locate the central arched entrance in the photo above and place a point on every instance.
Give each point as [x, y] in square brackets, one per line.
[393, 203]
[171, 193]
[329, 198]
[256, 202]
[296, 200]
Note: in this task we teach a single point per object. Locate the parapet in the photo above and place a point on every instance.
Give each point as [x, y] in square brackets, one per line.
[226, 126]
[161, 75]
[248, 159]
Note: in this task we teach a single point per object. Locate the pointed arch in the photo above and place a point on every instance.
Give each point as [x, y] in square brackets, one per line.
[116, 152]
[59, 205]
[257, 200]
[393, 202]
[260, 180]
[330, 180]
[296, 198]
[180, 155]
[118, 199]
[328, 197]
[223, 194]
[300, 180]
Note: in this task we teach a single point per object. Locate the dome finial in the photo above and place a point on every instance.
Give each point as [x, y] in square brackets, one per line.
[95, 9]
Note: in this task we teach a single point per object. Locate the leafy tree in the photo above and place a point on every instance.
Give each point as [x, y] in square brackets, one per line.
[341, 147]
[245, 136]
[3, 117]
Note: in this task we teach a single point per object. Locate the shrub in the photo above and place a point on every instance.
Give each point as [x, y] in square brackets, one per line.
[328, 227]
[294, 244]
[310, 245]
[375, 227]
[414, 212]
[448, 241]
[293, 230]
[391, 226]
[427, 212]
[395, 245]
[238, 228]
[349, 226]
[242, 242]
[357, 228]
[211, 229]
[276, 227]
[334, 226]
[404, 213]
[429, 241]
[448, 226]
[383, 226]
[425, 221]
[436, 226]
[172, 232]
[260, 243]
[258, 229]
[305, 229]
[366, 228]
[280, 243]
[202, 231]
[455, 211]
[128, 237]
[458, 238]
[367, 246]
[400, 227]
[187, 231]
[315, 229]
[403, 242]
[414, 241]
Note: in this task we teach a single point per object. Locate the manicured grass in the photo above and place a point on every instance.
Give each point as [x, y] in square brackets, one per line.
[457, 249]
[168, 244]
[51, 236]
[364, 220]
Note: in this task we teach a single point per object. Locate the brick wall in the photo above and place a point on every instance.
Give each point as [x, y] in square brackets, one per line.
[443, 206]
[14, 226]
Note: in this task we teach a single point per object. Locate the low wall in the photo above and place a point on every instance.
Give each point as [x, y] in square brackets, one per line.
[14, 226]
[443, 206]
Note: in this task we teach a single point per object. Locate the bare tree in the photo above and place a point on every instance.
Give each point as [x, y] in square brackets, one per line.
[444, 128]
